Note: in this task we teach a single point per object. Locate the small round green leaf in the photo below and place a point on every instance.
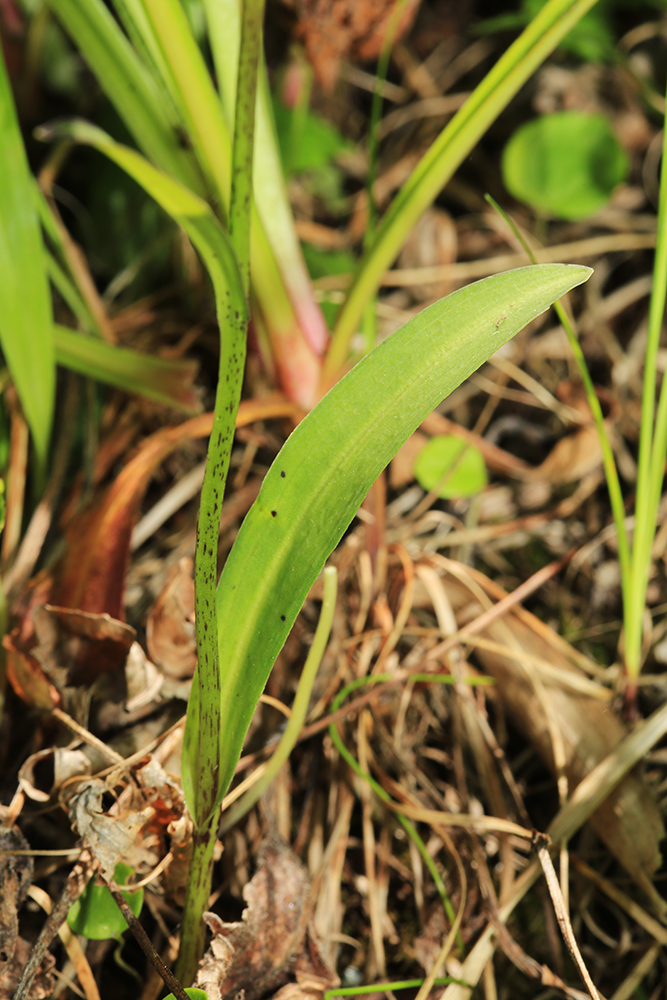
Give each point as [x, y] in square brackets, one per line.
[192, 992]
[95, 914]
[451, 466]
[565, 165]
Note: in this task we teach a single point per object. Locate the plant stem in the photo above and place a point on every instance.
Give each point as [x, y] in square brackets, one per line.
[197, 892]
[205, 750]
[244, 135]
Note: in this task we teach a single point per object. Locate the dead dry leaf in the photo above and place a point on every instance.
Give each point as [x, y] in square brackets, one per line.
[432, 242]
[273, 948]
[170, 629]
[42, 985]
[112, 837]
[332, 30]
[15, 878]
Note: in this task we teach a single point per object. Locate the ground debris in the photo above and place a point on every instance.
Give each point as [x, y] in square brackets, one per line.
[15, 878]
[273, 949]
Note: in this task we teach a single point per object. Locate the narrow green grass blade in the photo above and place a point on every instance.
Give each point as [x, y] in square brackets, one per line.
[325, 469]
[446, 154]
[160, 379]
[190, 80]
[652, 445]
[63, 283]
[129, 85]
[26, 324]
[186, 208]
[608, 460]
[132, 15]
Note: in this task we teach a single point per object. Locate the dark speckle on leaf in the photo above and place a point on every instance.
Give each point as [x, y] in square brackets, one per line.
[282, 474]
[282, 618]
[273, 513]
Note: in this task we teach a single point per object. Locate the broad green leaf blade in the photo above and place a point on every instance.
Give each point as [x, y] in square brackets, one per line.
[160, 379]
[26, 320]
[316, 484]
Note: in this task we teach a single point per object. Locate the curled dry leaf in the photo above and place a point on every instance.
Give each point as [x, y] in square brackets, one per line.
[170, 629]
[273, 948]
[143, 681]
[43, 773]
[55, 651]
[432, 243]
[76, 647]
[578, 453]
[112, 836]
[170, 825]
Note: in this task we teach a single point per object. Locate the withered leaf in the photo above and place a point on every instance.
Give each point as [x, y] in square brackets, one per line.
[42, 985]
[273, 946]
[112, 838]
[170, 629]
[15, 879]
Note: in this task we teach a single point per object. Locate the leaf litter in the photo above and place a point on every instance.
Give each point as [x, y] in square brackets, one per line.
[92, 717]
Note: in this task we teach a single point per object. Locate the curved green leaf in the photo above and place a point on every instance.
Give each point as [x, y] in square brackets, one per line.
[163, 380]
[185, 207]
[316, 484]
[129, 84]
[555, 19]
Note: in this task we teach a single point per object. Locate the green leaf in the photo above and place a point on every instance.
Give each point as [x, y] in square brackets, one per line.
[445, 155]
[566, 164]
[319, 479]
[160, 379]
[26, 331]
[192, 992]
[452, 466]
[307, 141]
[188, 209]
[95, 914]
[129, 84]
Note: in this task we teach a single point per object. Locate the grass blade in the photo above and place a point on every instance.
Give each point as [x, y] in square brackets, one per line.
[129, 85]
[446, 154]
[652, 446]
[26, 322]
[160, 379]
